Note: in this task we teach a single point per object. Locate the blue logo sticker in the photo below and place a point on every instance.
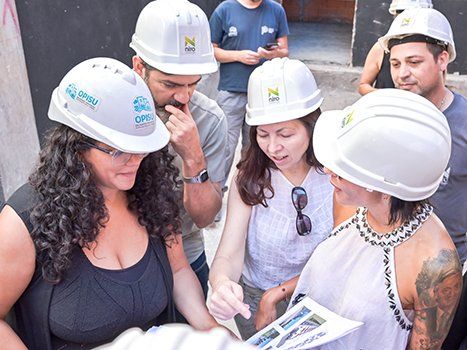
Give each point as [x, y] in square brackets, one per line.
[141, 103]
[72, 90]
[144, 120]
[87, 99]
[82, 96]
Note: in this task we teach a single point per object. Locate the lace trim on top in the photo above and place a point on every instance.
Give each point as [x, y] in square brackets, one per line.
[393, 304]
[387, 242]
[395, 237]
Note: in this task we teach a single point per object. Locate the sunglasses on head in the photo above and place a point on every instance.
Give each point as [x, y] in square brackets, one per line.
[300, 200]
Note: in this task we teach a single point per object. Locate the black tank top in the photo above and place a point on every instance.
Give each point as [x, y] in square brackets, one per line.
[91, 305]
[384, 79]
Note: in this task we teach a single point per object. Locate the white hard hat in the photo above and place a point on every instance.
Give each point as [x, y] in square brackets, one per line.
[280, 90]
[423, 21]
[106, 100]
[175, 337]
[174, 37]
[400, 5]
[391, 140]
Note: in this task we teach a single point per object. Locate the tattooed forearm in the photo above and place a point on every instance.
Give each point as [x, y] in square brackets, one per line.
[438, 285]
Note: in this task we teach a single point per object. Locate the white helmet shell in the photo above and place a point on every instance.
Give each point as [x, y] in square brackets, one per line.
[425, 21]
[175, 337]
[279, 90]
[392, 141]
[106, 100]
[174, 37]
[400, 5]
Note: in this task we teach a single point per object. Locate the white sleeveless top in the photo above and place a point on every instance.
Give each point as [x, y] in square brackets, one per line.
[274, 252]
[352, 273]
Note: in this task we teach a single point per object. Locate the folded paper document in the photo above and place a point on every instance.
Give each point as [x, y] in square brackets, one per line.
[305, 326]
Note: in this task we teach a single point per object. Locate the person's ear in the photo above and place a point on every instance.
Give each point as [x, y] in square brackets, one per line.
[443, 60]
[138, 65]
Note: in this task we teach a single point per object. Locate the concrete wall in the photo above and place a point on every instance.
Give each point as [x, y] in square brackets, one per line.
[320, 10]
[373, 20]
[19, 144]
[55, 35]
[58, 34]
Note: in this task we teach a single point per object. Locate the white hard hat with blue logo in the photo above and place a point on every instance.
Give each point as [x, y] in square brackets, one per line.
[104, 99]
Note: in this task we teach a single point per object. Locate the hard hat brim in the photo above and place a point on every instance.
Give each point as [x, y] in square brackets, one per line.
[271, 118]
[384, 41]
[152, 142]
[176, 68]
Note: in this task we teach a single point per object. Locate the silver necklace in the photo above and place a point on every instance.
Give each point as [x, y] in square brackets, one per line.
[443, 101]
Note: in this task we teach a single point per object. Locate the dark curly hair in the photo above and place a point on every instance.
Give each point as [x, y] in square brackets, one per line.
[70, 209]
[254, 175]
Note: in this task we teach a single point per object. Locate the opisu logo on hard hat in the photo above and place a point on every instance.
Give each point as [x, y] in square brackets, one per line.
[82, 96]
[141, 104]
[273, 95]
[190, 44]
[71, 91]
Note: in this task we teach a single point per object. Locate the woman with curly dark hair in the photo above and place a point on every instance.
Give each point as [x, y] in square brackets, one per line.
[89, 246]
[280, 202]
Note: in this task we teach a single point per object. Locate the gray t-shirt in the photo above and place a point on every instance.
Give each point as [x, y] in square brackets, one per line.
[450, 200]
[212, 130]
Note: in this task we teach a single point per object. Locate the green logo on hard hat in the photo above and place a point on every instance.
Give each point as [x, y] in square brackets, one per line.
[348, 119]
[406, 21]
[190, 44]
[273, 94]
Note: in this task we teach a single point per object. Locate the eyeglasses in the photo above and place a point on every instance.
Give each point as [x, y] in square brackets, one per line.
[119, 158]
[300, 200]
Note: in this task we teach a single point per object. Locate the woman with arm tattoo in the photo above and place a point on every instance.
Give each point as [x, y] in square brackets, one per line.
[392, 264]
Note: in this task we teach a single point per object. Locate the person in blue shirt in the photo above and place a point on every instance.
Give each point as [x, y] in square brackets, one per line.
[244, 34]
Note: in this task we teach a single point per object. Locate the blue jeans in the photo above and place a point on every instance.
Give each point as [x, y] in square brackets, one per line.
[201, 269]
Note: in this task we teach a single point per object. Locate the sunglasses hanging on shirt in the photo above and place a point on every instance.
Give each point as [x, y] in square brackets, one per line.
[300, 201]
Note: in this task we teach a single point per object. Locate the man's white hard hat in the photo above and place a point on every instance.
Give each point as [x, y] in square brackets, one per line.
[423, 21]
[174, 37]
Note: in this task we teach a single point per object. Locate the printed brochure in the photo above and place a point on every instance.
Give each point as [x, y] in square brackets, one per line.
[305, 326]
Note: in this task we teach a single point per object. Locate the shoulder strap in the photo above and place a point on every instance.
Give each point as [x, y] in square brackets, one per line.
[158, 246]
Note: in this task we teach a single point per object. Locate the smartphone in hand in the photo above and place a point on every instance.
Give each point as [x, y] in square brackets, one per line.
[271, 46]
